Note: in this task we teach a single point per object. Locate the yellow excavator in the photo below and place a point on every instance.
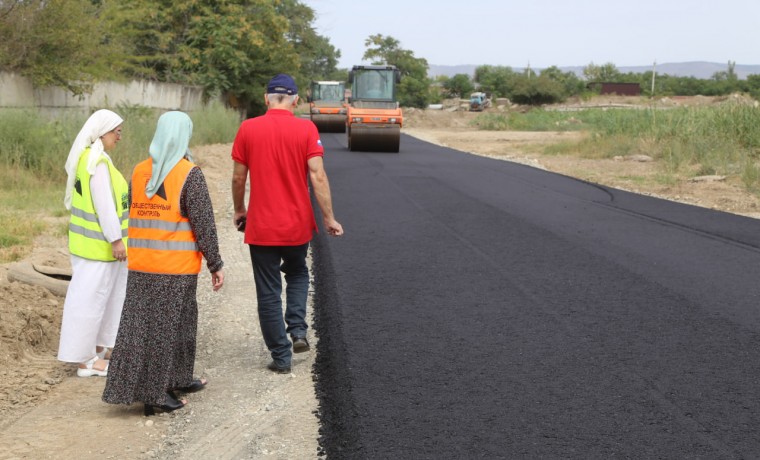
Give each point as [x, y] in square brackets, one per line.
[374, 116]
[327, 106]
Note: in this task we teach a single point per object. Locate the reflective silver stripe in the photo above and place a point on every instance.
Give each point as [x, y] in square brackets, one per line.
[92, 217]
[163, 245]
[161, 225]
[84, 215]
[95, 235]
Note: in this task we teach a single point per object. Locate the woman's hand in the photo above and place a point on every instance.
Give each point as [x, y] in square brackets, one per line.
[217, 279]
[119, 250]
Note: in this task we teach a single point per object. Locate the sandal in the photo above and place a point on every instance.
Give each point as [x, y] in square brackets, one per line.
[195, 385]
[90, 371]
[171, 404]
[105, 354]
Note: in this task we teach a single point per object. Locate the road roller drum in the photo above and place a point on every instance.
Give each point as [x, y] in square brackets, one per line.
[330, 123]
[374, 138]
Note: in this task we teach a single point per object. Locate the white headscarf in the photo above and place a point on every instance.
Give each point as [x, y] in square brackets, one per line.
[99, 123]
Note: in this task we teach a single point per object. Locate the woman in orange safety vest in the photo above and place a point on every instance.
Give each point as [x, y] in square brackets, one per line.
[171, 229]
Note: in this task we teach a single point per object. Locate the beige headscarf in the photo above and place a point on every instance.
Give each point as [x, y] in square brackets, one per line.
[99, 123]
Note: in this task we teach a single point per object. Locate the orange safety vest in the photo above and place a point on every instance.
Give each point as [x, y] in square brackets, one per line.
[160, 239]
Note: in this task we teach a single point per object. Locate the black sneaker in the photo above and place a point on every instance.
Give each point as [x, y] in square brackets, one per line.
[280, 370]
[300, 345]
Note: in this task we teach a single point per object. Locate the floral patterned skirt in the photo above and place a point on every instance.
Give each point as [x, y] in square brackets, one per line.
[155, 345]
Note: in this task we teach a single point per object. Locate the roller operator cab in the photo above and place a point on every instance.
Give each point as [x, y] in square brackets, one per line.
[327, 106]
[374, 117]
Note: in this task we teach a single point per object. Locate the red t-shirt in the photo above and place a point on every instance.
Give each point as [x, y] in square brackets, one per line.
[275, 147]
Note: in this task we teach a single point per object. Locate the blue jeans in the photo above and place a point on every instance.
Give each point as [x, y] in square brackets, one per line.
[267, 262]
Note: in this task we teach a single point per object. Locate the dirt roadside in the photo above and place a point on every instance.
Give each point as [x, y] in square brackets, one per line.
[246, 411]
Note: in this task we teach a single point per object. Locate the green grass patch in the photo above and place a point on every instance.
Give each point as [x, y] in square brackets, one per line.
[214, 125]
[17, 233]
[24, 198]
[568, 148]
[537, 120]
[666, 178]
[491, 122]
[722, 140]
[33, 141]
[640, 180]
[17, 228]
[547, 120]
[23, 191]
[33, 150]
[750, 176]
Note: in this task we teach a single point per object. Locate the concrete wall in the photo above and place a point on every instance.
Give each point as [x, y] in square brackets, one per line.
[18, 92]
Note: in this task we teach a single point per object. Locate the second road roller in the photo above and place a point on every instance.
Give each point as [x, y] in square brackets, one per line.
[327, 106]
[374, 118]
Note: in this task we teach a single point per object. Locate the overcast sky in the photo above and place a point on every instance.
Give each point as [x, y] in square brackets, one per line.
[543, 33]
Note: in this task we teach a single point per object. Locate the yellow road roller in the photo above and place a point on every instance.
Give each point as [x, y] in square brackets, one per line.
[327, 106]
[374, 116]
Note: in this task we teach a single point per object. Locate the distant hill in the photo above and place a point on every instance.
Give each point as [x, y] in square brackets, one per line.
[678, 69]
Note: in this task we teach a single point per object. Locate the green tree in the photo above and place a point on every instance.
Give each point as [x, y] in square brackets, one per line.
[498, 81]
[231, 48]
[569, 81]
[318, 57]
[459, 85]
[668, 85]
[726, 82]
[605, 73]
[414, 89]
[727, 75]
[234, 49]
[537, 90]
[753, 86]
[59, 42]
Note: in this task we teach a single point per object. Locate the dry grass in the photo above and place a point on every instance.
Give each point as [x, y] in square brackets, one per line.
[26, 201]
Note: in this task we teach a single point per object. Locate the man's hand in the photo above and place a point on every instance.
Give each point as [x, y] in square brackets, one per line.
[333, 227]
[238, 220]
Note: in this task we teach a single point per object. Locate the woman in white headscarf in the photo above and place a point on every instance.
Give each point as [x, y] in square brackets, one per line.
[97, 196]
[171, 229]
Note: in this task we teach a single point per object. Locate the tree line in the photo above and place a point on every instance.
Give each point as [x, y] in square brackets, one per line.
[552, 85]
[232, 48]
[547, 86]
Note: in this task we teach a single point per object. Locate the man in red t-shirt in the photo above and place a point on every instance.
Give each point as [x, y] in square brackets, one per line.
[279, 151]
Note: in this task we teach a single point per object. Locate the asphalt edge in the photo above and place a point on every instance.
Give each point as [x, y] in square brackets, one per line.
[338, 438]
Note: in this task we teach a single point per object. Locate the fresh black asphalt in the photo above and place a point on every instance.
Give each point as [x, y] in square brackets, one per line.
[478, 308]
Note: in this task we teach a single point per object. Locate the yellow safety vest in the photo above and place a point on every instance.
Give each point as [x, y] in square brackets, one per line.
[86, 237]
[161, 240]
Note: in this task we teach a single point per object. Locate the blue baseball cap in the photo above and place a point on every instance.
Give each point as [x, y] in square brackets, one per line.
[282, 84]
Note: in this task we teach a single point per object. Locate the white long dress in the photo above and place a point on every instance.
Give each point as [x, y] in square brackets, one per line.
[97, 289]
